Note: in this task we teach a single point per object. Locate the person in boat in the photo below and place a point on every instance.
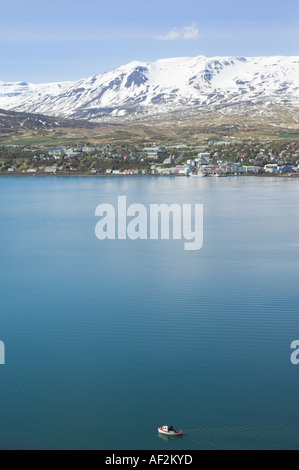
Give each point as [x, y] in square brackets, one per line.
[170, 428]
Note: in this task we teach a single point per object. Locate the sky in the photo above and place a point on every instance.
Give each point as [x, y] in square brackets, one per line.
[61, 40]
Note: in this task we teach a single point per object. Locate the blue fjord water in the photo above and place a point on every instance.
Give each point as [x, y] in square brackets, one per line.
[107, 340]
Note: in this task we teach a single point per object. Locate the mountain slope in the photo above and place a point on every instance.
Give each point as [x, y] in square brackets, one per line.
[12, 120]
[165, 87]
[15, 124]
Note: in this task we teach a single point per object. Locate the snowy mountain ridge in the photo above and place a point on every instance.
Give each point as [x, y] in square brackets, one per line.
[151, 89]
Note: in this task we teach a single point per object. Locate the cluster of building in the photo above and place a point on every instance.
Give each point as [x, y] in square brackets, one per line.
[47, 169]
[211, 158]
[205, 165]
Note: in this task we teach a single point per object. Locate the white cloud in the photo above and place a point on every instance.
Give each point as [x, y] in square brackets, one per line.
[185, 33]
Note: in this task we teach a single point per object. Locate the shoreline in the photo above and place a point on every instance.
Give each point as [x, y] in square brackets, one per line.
[87, 175]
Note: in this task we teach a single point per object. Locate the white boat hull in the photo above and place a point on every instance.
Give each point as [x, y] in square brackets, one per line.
[170, 433]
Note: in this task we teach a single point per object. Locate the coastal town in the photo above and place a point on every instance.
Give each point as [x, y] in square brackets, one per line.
[210, 158]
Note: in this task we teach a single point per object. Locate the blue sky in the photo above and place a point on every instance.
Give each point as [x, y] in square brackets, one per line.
[57, 40]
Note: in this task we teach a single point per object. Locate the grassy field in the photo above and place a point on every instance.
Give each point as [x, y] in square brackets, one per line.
[45, 141]
[213, 126]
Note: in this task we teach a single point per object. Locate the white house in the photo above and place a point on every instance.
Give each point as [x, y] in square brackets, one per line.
[252, 169]
[155, 152]
[271, 168]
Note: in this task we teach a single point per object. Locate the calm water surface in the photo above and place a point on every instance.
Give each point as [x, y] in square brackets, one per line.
[106, 340]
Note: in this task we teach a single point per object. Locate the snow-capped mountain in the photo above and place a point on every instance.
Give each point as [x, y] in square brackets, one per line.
[151, 89]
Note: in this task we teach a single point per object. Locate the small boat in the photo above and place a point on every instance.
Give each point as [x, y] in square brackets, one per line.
[170, 431]
[198, 174]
